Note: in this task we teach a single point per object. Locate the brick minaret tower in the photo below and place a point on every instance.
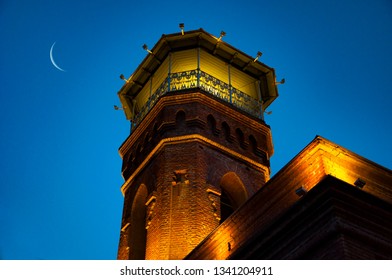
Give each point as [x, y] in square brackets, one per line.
[198, 146]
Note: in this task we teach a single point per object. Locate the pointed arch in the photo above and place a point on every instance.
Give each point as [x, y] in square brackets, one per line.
[155, 134]
[137, 234]
[253, 143]
[146, 139]
[226, 130]
[127, 165]
[240, 137]
[138, 154]
[233, 194]
[211, 124]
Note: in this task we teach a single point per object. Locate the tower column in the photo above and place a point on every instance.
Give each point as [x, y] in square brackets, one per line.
[198, 150]
[183, 214]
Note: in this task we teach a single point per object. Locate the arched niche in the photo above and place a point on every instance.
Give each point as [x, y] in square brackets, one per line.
[240, 137]
[137, 234]
[253, 143]
[180, 118]
[226, 130]
[211, 124]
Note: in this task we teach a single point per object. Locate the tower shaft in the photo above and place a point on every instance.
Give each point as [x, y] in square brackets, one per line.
[198, 148]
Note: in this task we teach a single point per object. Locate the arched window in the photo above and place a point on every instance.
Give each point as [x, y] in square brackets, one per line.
[137, 232]
[233, 194]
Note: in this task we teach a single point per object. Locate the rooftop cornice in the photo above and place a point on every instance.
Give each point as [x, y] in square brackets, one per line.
[198, 39]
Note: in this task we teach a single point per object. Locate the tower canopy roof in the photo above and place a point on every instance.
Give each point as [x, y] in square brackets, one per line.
[213, 45]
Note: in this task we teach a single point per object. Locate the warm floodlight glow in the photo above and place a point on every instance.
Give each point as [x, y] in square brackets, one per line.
[259, 54]
[146, 49]
[181, 25]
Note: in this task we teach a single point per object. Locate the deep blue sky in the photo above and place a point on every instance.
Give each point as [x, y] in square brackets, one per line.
[59, 166]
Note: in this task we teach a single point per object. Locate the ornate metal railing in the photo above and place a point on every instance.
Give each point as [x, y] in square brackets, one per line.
[199, 79]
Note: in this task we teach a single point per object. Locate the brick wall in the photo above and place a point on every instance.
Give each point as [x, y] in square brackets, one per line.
[180, 152]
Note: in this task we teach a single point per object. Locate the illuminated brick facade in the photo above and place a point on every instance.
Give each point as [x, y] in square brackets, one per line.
[198, 148]
[326, 203]
[196, 168]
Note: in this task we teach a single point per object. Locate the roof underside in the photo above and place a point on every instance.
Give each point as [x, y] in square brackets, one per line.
[194, 39]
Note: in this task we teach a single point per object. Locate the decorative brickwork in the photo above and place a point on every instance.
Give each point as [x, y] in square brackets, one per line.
[198, 147]
[186, 164]
[196, 168]
[331, 218]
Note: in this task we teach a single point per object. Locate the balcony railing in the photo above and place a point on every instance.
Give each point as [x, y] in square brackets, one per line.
[199, 79]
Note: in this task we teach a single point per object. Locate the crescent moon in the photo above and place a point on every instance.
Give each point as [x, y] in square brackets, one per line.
[52, 59]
